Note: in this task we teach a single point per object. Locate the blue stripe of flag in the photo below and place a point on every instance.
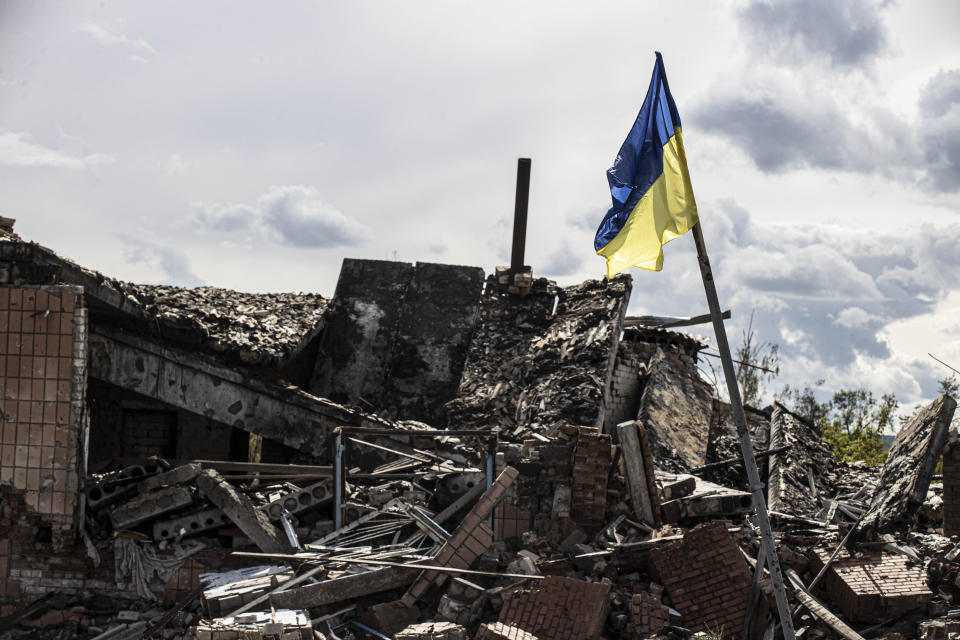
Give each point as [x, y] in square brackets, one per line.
[640, 160]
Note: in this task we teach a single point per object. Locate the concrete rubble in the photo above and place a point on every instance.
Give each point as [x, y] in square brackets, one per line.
[426, 456]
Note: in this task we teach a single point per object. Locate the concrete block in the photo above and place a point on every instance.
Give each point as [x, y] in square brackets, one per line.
[177, 476]
[149, 506]
[298, 501]
[190, 524]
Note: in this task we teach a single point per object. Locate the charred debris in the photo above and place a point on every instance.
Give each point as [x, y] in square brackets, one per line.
[430, 454]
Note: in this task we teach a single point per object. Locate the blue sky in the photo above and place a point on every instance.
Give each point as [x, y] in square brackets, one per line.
[254, 147]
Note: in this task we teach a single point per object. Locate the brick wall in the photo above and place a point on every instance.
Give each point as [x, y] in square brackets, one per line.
[559, 609]
[875, 585]
[469, 540]
[43, 333]
[127, 424]
[591, 468]
[39, 440]
[648, 615]
[562, 484]
[509, 521]
[706, 578]
[951, 489]
[31, 564]
[623, 394]
[149, 432]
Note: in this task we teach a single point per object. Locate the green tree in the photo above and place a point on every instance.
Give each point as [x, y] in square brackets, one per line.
[950, 385]
[852, 422]
[804, 402]
[756, 361]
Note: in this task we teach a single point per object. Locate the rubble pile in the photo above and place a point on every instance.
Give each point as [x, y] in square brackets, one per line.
[259, 328]
[804, 471]
[531, 366]
[583, 484]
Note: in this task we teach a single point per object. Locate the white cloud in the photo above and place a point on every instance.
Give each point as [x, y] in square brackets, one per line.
[172, 265]
[852, 317]
[842, 303]
[294, 215]
[847, 33]
[103, 36]
[299, 216]
[17, 150]
[223, 217]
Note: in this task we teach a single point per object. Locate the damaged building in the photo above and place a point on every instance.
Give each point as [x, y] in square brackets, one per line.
[432, 453]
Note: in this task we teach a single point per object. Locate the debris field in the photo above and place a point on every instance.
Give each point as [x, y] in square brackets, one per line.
[431, 453]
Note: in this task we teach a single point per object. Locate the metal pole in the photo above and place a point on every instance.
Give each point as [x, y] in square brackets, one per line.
[520, 215]
[338, 481]
[746, 445]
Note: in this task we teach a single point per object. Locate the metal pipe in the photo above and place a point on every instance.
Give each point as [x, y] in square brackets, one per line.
[746, 445]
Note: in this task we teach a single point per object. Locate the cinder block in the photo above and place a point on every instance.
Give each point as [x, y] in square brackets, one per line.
[298, 501]
[189, 525]
[148, 506]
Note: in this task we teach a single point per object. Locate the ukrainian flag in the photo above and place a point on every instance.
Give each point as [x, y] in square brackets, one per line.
[652, 198]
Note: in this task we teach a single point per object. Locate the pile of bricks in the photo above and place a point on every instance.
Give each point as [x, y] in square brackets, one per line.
[591, 469]
[874, 585]
[559, 608]
[648, 615]
[468, 541]
[706, 579]
[951, 489]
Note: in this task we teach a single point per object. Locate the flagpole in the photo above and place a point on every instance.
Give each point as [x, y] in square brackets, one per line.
[746, 445]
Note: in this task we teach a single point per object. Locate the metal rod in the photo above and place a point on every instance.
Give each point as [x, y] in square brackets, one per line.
[413, 434]
[338, 482]
[520, 215]
[728, 461]
[752, 366]
[746, 445]
[942, 362]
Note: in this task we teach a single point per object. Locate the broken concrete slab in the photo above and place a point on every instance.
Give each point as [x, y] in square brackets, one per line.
[910, 465]
[238, 507]
[706, 500]
[178, 475]
[199, 385]
[149, 505]
[189, 524]
[282, 623]
[389, 617]
[230, 590]
[676, 409]
[433, 631]
[345, 588]
[297, 501]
